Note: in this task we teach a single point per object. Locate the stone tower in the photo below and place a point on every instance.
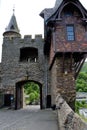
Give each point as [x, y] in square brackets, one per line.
[12, 30]
[22, 62]
[65, 46]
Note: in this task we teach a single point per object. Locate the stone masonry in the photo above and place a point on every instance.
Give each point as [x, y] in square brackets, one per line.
[13, 70]
[63, 82]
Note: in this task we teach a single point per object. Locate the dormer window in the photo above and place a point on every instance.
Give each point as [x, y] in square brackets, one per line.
[70, 32]
[12, 27]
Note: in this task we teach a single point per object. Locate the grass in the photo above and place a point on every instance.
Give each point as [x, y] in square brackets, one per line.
[83, 118]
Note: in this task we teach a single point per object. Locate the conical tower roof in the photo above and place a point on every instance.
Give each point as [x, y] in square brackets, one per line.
[12, 26]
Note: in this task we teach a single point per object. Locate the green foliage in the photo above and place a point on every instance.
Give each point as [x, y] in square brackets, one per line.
[81, 86]
[79, 105]
[32, 89]
[31, 97]
[81, 82]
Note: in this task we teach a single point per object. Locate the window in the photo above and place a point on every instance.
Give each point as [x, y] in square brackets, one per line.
[68, 13]
[12, 27]
[28, 55]
[70, 32]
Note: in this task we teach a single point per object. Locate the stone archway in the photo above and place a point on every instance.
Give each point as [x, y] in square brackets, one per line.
[19, 94]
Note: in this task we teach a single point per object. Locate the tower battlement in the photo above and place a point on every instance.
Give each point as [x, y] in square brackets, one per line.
[26, 39]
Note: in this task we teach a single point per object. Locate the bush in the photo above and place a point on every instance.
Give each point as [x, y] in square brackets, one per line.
[32, 89]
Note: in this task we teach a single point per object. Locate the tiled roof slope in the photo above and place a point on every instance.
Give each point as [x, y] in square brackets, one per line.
[47, 13]
[12, 26]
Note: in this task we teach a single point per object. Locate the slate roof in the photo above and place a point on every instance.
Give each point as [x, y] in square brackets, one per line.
[12, 26]
[57, 4]
[47, 13]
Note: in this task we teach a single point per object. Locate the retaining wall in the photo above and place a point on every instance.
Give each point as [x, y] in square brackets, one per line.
[67, 118]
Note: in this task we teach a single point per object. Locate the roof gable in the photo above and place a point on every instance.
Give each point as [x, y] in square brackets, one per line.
[48, 13]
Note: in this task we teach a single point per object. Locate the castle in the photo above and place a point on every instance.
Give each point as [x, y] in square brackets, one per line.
[53, 62]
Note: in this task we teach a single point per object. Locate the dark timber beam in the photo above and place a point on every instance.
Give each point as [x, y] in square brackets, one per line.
[79, 67]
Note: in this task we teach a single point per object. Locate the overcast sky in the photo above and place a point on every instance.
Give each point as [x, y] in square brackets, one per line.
[27, 15]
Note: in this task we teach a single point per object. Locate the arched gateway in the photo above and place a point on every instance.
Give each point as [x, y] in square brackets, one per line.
[19, 94]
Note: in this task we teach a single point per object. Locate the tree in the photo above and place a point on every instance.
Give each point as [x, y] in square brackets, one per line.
[32, 89]
[31, 97]
[81, 86]
[81, 82]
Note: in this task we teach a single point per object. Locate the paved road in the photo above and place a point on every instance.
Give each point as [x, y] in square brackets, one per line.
[28, 119]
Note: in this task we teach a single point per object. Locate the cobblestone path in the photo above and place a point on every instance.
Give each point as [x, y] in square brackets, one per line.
[28, 119]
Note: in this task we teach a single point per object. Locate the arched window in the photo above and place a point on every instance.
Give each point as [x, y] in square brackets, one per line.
[28, 54]
[71, 10]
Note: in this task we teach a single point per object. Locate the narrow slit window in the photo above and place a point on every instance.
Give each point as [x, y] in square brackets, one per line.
[70, 33]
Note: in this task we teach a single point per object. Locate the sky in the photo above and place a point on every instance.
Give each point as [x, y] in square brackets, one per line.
[27, 16]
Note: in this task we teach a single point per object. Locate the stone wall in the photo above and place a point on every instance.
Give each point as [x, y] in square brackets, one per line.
[13, 70]
[62, 80]
[53, 83]
[1, 99]
[67, 118]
